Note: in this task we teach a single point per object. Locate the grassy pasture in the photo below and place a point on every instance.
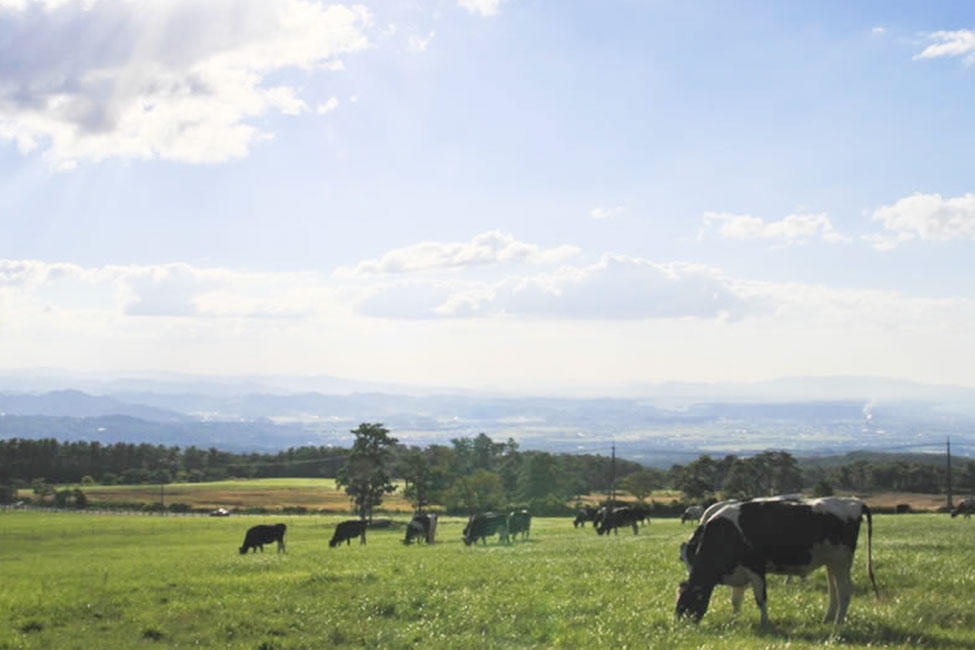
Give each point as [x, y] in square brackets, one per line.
[272, 493]
[81, 581]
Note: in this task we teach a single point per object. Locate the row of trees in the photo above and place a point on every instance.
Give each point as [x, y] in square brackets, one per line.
[475, 474]
[469, 474]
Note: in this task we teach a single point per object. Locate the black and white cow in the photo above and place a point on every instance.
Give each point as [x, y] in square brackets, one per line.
[742, 542]
[257, 536]
[691, 513]
[966, 507]
[482, 526]
[612, 519]
[421, 527]
[584, 514]
[519, 521]
[346, 530]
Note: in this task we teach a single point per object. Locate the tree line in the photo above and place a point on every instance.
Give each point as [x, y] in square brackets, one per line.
[470, 474]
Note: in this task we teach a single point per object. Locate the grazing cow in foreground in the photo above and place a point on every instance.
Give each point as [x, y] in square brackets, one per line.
[737, 591]
[519, 521]
[482, 526]
[421, 527]
[966, 507]
[691, 513]
[742, 542]
[586, 513]
[257, 536]
[346, 530]
[612, 520]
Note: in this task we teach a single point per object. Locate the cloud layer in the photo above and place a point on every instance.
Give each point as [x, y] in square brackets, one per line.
[172, 79]
[492, 247]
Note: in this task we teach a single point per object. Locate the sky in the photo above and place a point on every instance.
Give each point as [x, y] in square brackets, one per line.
[489, 194]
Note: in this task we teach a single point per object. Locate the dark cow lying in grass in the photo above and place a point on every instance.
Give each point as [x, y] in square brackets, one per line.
[612, 519]
[584, 514]
[966, 507]
[482, 526]
[743, 542]
[519, 521]
[346, 530]
[421, 527]
[257, 536]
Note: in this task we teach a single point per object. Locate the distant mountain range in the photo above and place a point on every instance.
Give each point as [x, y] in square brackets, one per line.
[668, 423]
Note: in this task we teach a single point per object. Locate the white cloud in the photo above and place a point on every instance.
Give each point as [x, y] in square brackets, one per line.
[620, 319]
[878, 30]
[615, 288]
[606, 213]
[417, 43]
[483, 7]
[950, 44]
[492, 247]
[327, 107]
[793, 229]
[927, 217]
[173, 79]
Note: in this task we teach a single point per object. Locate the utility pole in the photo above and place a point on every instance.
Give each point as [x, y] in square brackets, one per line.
[162, 505]
[948, 473]
[612, 479]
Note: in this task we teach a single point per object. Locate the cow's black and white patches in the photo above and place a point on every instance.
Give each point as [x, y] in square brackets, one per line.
[519, 521]
[966, 508]
[421, 527]
[740, 543]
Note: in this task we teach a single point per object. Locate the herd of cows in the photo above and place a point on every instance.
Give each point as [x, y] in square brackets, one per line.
[735, 543]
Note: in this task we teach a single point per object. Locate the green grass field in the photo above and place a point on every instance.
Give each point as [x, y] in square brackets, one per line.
[88, 581]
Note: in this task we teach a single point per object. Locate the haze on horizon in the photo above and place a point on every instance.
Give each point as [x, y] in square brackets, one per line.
[489, 194]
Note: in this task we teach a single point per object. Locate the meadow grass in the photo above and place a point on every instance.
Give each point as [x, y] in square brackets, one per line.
[84, 581]
[272, 493]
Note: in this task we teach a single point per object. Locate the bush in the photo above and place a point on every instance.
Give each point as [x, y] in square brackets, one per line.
[179, 507]
[8, 494]
[822, 489]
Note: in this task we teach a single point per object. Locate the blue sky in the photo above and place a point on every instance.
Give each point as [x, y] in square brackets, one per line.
[489, 194]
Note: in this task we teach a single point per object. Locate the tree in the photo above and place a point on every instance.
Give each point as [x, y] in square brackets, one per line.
[425, 474]
[539, 475]
[365, 475]
[480, 491]
[640, 484]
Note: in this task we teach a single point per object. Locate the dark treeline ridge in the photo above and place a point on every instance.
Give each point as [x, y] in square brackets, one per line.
[478, 473]
[469, 473]
[777, 472]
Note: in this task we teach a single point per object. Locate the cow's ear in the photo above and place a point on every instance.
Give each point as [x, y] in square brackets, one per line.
[683, 585]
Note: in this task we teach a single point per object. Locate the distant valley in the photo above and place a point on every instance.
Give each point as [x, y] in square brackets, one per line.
[670, 424]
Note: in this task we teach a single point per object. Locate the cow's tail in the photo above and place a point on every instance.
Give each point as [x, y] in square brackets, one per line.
[873, 581]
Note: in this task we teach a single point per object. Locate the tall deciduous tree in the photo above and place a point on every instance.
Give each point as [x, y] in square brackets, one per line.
[366, 473]
[640, 484]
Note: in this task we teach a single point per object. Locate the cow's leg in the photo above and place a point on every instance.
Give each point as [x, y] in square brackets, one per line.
[636, 529]
[844, 590]
[281, 545]
[737, 595]
[833, 595]
[362, 539]
[761, 596]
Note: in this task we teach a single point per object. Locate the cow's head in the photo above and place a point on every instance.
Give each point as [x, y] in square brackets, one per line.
[243, 550]
[692, 600]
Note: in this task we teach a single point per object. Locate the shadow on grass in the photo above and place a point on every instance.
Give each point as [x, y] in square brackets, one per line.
[863, 634]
